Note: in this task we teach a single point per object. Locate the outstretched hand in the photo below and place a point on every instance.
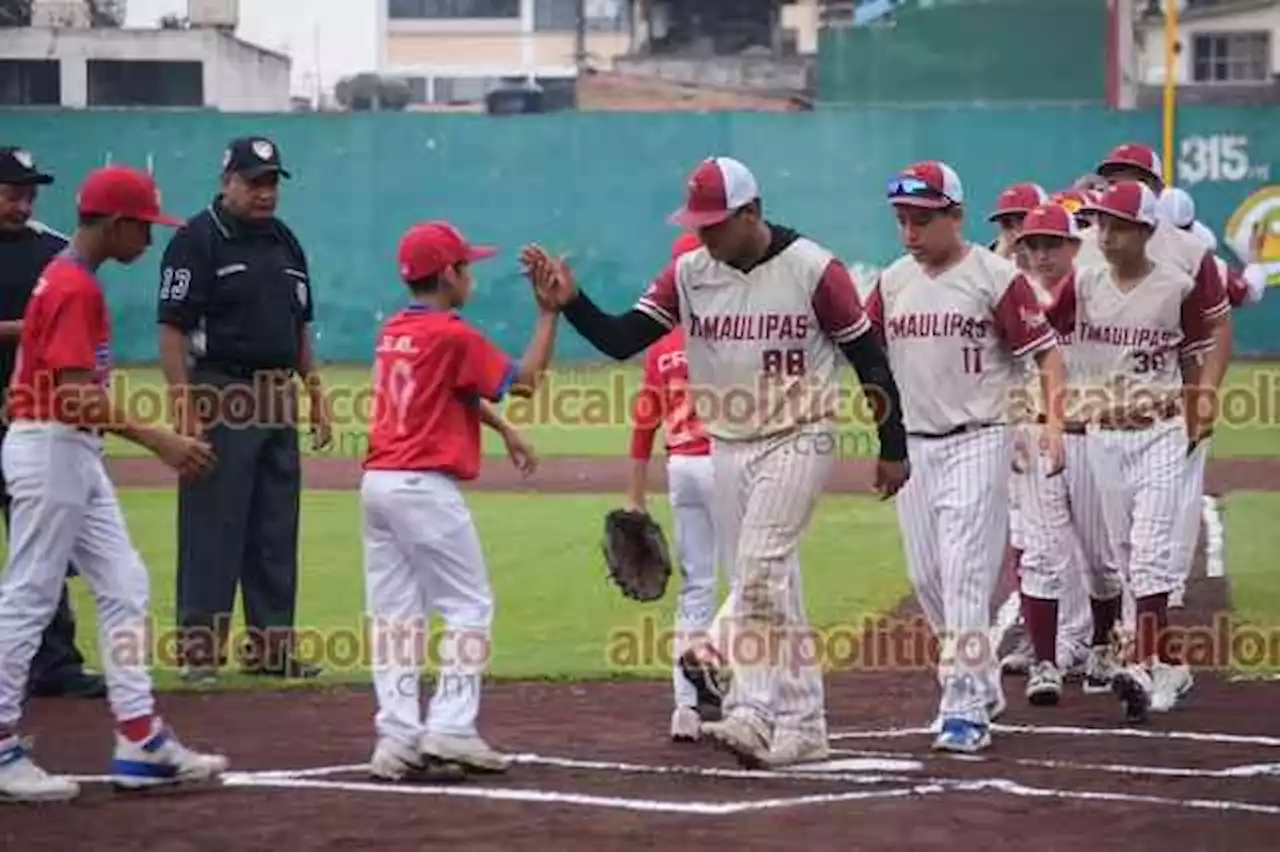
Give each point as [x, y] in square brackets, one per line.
[553, 284]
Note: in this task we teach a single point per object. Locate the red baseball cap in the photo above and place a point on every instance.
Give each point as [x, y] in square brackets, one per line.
[1018, 199]
[1133, 155]
[932, 184]
[125, 192]
[1128, 200]
[431, 247]
[685, 243]
[1050, 220]
[717, 189]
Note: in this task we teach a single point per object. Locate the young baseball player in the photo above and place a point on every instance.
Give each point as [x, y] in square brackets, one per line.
[64, 505]
[958, 319]
[664, 403]
[1012, 205]
[766, 314]
[433, 373]
[1134, 322]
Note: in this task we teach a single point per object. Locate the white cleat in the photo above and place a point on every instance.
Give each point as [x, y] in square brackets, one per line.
[1044, 684]
[995, 709]
[395, 761]
[21, 780]
[470, 752]
[790, 749]
[161, 760]
[741, 738]
[1099, 670]
[1169, 685]
[1133, 686]
[686, 725]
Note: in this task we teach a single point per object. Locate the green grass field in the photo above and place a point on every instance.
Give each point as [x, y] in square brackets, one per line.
[557, 614]
[586, 412]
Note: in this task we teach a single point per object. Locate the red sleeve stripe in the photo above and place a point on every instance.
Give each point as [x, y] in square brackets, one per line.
[1045, 341]
[653, 309]
[1196, 347]
[1220, 309]
[850, 333]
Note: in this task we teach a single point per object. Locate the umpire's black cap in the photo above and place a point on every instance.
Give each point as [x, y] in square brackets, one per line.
[18, 168]
[251, 156]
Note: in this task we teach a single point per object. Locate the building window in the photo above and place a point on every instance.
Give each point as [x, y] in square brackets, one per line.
[606, 16]
[1231, 57]
[145, 83]
[435, 9]
[30, 82]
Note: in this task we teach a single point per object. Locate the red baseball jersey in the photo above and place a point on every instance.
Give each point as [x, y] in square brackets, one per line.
[663, 402]
[430, 371]
[66, 326]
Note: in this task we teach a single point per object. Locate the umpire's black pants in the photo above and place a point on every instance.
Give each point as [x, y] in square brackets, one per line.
[239, 524]
[57, 660]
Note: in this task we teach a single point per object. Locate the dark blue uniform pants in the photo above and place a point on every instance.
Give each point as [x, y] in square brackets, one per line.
[239, 524]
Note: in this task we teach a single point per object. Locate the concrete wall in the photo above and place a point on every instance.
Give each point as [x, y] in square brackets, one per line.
[237, 77]
[464, 52]
[1261, 16]
[792, 74]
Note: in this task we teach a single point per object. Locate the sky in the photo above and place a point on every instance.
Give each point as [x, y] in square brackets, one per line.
[337, 37]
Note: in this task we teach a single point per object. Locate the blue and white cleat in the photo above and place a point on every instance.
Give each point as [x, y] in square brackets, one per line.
[161, 760]
[963, 736]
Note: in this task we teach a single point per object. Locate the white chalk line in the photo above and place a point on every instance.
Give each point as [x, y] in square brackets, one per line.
[1072, 731]
[1253, 770]
[1215, 564]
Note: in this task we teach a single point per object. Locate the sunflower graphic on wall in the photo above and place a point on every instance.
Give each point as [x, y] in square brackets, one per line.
[1253, 232]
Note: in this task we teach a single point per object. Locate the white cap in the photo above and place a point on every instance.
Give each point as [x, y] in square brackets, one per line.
[1177, 207]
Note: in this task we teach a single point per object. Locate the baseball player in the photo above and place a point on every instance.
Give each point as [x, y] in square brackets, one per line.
[766, 313]
[1012, 205]
[1176, 206]
[64, 505]
[1132, 322]
[1062, 516]
[663, 402]
[958, 319]
[433, 372]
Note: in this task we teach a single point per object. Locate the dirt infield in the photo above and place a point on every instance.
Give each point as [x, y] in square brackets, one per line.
[596, 772]
[567, 474]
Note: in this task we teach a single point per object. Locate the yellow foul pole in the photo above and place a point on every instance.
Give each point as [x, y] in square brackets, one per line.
[1170, 86]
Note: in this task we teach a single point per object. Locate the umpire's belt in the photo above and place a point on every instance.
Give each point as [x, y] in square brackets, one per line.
[950, 433]
[261, 398]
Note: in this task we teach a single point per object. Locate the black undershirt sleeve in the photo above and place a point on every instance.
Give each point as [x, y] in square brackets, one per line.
[617, 335]
[867, 356]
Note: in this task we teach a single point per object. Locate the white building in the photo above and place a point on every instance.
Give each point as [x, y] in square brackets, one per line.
[1227, 47]
[61, 61]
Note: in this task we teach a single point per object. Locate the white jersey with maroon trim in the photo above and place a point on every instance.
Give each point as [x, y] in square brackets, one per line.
[1128, 344]
[762, 345]
[1169, 244]
[956, 340]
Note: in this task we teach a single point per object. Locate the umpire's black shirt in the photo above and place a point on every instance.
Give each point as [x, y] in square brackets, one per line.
[240, 290]
[23, 256]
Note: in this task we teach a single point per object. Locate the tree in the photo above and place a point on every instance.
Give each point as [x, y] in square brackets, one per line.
[175, 22]
[15, 13]
[368, 92]
[102, 13]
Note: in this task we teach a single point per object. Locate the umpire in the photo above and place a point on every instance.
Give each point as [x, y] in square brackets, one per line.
[235, 311]
[26, 246]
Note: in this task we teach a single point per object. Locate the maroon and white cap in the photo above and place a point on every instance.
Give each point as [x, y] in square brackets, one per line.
[1129, 200]
[1050, 220]
[932, 184]
[1135, 156]
[1018, 200]
[717, 189]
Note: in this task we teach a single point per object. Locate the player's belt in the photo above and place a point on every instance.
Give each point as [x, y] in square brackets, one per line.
[1071, 427]
[1132, 421]
[959, 430]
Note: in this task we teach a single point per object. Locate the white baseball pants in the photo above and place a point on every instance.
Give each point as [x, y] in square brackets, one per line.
[1139, 475]
[422, 555]
[765, 495]
[691, 491]
[64, 509]
[1191, 497]
[954, 517]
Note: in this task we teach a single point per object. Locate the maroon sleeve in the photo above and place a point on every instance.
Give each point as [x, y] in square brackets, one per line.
[838, 307]
[662, 301]
[1206, 303]
[875, 309]
[1237, 288]
[1020, 320]
[1062, 312]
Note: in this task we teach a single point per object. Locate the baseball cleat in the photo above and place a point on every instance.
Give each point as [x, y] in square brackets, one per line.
[1020, 655]
[686, 725]
[1133, 686]
[160, 760]
[471, 753]
[1170, 684]
[962, 736]
[1044, 684]
[1099, 670]
[792, 749]
[995, 709]
[740, 738]
[706, 681]
[394, 761]
[21, 780]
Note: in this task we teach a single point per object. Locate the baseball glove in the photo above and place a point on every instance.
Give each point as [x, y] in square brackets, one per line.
[636, 555]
